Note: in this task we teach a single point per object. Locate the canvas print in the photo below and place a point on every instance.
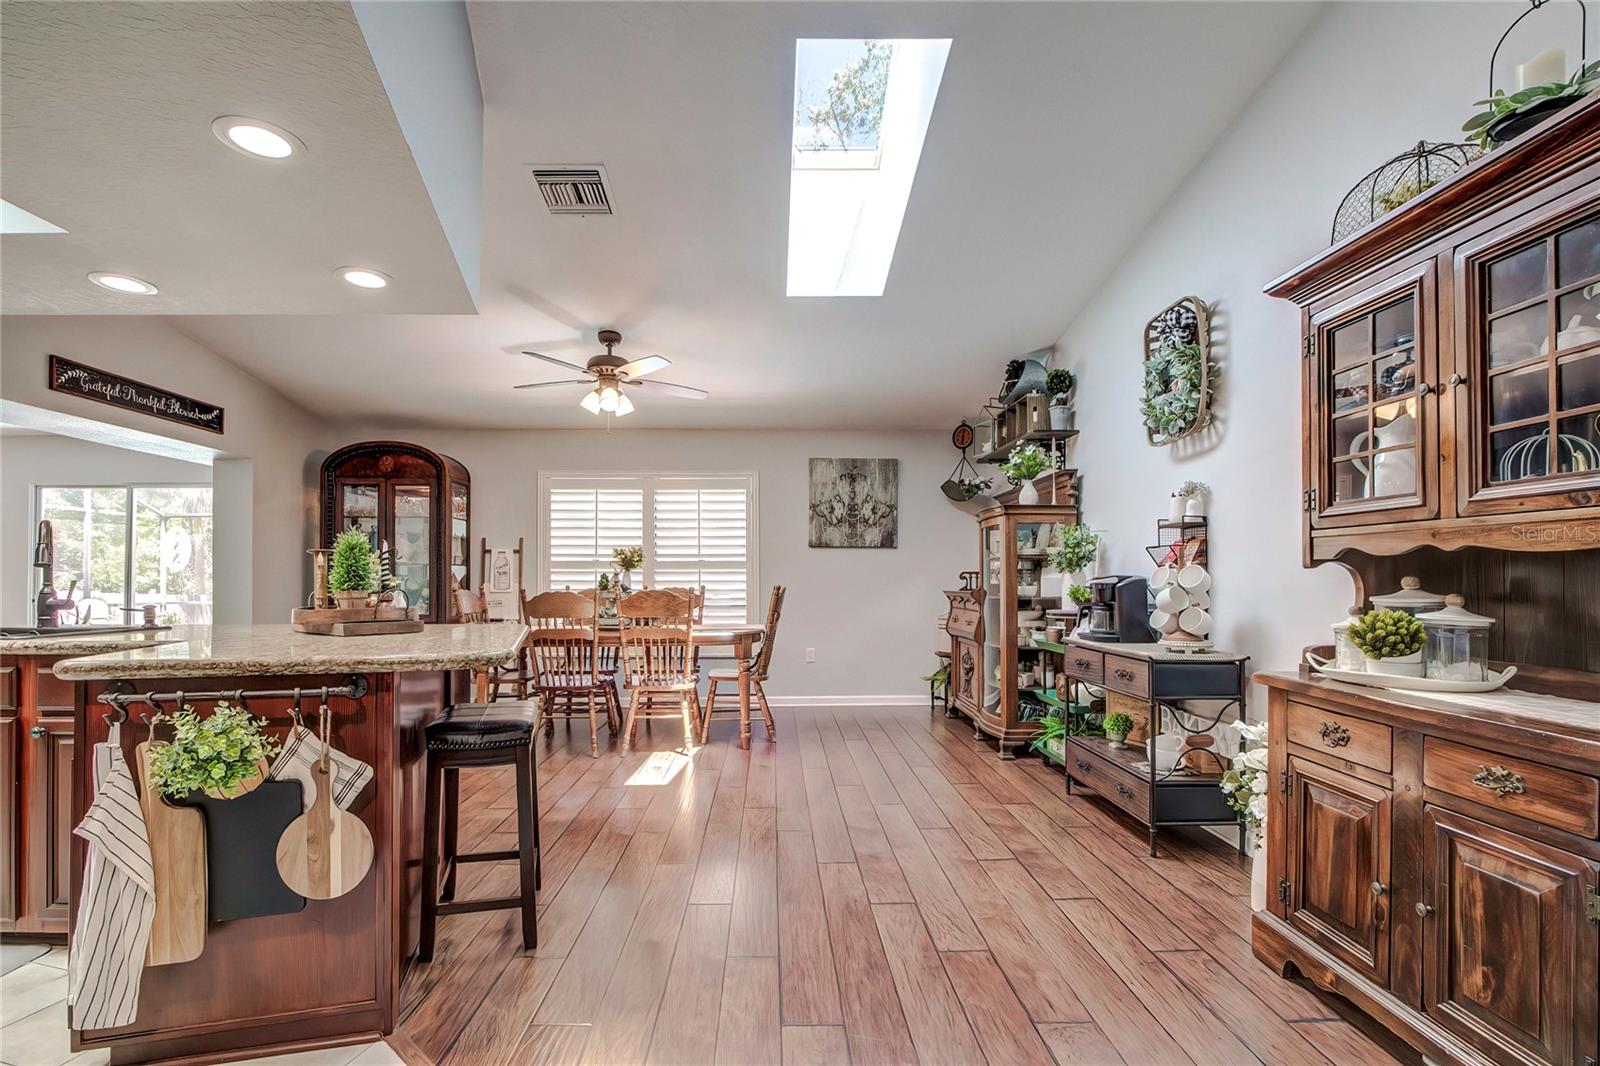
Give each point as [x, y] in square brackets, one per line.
[855, 503]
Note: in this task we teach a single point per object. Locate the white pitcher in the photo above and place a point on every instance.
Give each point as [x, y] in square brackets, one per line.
[1392, 473]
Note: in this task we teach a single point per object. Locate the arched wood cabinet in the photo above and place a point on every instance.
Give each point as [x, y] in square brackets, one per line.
[417, 501]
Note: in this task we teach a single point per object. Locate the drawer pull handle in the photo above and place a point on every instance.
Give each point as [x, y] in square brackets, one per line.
[1499, 780]
[1081, 664]
[1334, 735]
[1379, 888]
[1125, 790]
[1423, 909]
[1082, 765]
[1123, 675]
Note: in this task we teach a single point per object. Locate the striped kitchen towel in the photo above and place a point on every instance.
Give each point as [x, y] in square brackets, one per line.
[297, 762]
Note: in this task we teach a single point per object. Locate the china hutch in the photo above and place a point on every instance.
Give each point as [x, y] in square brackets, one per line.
[994, 664]
[416, 501]
[1434, 858]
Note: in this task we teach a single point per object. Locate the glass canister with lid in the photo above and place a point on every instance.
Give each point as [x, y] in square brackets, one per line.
[1346, 656]
[1457, 645]
[1411, 598]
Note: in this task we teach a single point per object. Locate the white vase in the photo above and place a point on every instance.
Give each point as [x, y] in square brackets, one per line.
[1258, 879]
[1175, 508]
[1401, 666]
[1027, 495]
[1194, 507]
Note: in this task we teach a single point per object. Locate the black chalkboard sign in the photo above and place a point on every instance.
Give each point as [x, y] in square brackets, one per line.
[242, 851]
[118, 391]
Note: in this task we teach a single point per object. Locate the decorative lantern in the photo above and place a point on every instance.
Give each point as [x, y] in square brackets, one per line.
[1412, 598]
[1457, 647]
[1406, 176]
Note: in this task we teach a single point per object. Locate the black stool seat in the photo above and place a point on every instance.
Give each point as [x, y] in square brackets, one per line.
[502, 724]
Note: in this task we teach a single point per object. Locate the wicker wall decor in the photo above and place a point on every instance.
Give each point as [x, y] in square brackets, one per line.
[1176, 400]
[1403, 178]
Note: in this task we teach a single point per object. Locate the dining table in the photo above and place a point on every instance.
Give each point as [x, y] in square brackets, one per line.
[742, 638]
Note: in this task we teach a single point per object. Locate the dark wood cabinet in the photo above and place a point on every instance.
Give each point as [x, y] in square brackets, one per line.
[416, 501]
[1509, 950]
[1336, 889]
[36, 759]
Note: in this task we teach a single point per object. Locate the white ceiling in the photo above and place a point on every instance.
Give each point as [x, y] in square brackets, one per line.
[1059, 130]
[105, 118]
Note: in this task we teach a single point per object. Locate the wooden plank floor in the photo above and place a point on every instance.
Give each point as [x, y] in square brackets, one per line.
[876, 887]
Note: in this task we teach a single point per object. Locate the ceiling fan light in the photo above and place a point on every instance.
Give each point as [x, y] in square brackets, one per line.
[591, 402]
[608, 398]
[624, 406]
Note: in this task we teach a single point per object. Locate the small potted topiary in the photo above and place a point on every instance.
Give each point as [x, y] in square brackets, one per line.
[1059, 383]
[1392, 642]
[224, 755]
[1117, 727]
[352, 576]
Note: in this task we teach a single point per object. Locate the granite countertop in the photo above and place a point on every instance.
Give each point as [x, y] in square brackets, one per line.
[94, 643]
[269, 650]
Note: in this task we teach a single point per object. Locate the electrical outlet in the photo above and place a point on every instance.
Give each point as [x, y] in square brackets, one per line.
[811, 655]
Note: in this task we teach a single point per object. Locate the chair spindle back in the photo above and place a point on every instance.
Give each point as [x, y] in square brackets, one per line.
[657, 646]
[562, 640]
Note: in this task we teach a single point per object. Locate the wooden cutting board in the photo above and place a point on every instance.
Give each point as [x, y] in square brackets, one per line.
[178, 855]
[326, 851]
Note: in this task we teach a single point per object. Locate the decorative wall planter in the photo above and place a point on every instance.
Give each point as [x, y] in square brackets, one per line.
[1176, 401]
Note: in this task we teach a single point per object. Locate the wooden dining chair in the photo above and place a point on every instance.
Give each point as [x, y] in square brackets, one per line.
[760, 666]
[472, 608]
[695, 594]
[563, 656]
[658, 668]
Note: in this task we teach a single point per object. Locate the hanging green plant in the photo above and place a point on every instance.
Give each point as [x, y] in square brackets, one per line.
[1498, 123]
[222, 754]
[1175, 383]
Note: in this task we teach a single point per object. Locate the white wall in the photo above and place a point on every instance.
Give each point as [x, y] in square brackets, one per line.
[271, 445]
[42, 459]
[871, 615]
[1365, 82]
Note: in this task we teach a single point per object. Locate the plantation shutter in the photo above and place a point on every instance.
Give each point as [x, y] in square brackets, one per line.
[586, 523]
[702, 535]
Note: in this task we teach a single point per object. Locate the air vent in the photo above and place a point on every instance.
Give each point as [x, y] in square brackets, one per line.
[574, 190]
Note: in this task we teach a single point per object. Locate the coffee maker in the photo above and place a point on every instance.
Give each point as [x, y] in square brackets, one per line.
[1119, 610]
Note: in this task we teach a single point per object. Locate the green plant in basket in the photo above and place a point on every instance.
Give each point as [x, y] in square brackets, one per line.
[1387, 634]
[1502, 105]
[1052, 735]
[1118, 724]
[1078, 547]
[352, 568]
[217, 754]
[1025, 464]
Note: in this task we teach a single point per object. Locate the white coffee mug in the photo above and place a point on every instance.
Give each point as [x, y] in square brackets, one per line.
[1194, 578]
[1200, 599]
[1172, 599]
[1162, 622]
[1162, 577]
[1195, 620]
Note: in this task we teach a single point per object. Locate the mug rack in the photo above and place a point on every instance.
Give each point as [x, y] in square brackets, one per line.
[353, 689]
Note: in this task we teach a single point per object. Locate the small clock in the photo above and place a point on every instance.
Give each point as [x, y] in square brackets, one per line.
[962, 437]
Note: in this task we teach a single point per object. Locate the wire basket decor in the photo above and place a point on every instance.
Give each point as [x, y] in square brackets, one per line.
[1403, 178]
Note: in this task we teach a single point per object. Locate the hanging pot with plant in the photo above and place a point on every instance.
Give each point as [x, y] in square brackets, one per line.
[1507, 116]
[224, 755]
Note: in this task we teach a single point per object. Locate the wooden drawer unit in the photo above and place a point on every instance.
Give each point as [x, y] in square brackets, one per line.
[1336, 733]
[1116, 783]
[1558, 798]
[1128, 676]
[1085, 665]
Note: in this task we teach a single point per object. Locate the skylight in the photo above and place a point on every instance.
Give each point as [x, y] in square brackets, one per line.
[14, 219]
[861, 112]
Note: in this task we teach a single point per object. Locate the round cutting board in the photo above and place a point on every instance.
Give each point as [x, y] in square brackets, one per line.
[326, 851]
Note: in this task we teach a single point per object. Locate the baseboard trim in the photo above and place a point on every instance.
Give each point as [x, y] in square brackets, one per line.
[901, 700]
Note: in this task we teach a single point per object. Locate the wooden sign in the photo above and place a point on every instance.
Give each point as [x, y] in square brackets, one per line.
[118, 391]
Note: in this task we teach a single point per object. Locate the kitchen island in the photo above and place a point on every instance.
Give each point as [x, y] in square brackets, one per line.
[328, 972]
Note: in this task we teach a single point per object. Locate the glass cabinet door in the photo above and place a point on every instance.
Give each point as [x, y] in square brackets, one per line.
[1537, 323]
[993, 559]
[358, 508]
[413, 526]
[1372, 450]
[459, 547]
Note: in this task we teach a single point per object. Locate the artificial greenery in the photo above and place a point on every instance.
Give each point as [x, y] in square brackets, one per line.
[352, 569]
[1079, 544]
[1172, 382]
[1502, 105]
[1244, 785]
[1079, 594]
[940, 676]
[628, 560]
[1387, 634]
[1026, 463]
[1403, 193]
[1052, 728]
[1059, 382]
[218, 752]
[1118, 724]
[1192, 488]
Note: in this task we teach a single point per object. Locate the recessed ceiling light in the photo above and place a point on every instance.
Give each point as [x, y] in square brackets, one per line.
[252, 137]
[123, 283]
[363, 278]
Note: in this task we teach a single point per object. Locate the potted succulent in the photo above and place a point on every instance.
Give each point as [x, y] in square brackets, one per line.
[1026, 463]
[1059, 383]
[352, 575]
[1392, 642]
[1117, 726]
[224, 755]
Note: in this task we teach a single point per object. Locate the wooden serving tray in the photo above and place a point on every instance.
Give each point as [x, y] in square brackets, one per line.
[355, 622]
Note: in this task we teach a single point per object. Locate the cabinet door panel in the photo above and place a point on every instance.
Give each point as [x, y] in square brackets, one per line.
[1339, 865]
[1509, 956]
[10, 840]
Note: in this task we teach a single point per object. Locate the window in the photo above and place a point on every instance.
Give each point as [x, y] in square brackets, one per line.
[694, 531]
[153, 540]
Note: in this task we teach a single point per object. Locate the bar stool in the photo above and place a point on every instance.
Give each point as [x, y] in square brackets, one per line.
[466, 735]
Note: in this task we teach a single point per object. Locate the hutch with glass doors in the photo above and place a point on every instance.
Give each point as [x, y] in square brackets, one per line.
[416, 501]
[995, 666]
[1432, 857]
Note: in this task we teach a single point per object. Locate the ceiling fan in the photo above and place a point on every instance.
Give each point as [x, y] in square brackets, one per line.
[608, 373]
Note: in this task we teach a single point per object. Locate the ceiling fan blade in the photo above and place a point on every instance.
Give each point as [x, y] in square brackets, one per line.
[547, 384]
[559, 362]
[648, 364]
[688, 392]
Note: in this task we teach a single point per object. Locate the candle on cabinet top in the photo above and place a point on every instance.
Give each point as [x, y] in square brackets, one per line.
[1549, 65]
